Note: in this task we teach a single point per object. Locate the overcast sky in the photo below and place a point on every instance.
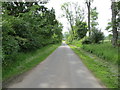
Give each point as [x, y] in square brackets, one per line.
[103, 8]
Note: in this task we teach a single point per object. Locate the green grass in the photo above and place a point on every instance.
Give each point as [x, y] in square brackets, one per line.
[26, 61]
[104, 51]
[101, 59]
[106, 72]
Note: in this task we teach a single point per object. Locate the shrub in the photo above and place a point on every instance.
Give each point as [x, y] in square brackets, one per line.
[86, 40]
[9, 43]
[96, 36]
[32, 43]
[21, 27]
[10, 48]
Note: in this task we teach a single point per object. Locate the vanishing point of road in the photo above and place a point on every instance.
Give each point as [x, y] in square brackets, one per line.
[62, 69]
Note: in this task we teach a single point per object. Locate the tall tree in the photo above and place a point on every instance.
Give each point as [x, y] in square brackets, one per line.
[88, 2]
[73, 13]
[66, 7]
[80, 29]
[79, 13]
[15, 8]
[114, 22]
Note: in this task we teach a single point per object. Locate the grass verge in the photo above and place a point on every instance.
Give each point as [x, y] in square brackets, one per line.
[104, 51]
[26, 61]
[106, 72]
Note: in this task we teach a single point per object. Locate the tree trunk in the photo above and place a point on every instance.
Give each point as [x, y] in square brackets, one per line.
[72, 31]
[114, 27]
[88, 6]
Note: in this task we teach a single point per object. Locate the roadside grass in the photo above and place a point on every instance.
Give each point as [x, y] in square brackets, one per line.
[105, 71]
[101, 59]
[26, 61]
[104, 50]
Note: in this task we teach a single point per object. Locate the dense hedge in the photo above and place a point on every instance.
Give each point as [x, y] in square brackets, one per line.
[27, 31]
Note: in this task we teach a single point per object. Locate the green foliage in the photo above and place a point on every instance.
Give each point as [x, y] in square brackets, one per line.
[94, 17]
[15, 8]
[77, 43]
[80, 30]
[27, 29]
[9, 43]
[105, 51]
[105, 71]
[102, 50]
[109, 27]
[68, 37]
[9, 49]
[68, 13]
[20, 27]
[96, 36]
[86, 40]
[27, 60]
[101, 59]
[75, 17]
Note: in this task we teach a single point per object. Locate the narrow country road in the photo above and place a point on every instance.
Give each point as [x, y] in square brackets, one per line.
[62, 69]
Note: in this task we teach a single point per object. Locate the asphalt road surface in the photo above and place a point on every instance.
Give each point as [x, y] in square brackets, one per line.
[62, 69]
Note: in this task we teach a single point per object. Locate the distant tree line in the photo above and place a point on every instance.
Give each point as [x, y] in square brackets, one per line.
[79, 27]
